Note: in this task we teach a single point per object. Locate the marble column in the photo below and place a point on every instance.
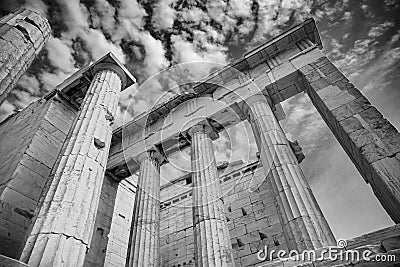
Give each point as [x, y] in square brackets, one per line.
[63, 228]
[24, 33]
[144, 245]
[212, 241]
[304, 224]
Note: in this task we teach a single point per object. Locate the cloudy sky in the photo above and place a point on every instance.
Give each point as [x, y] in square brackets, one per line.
[361, 37]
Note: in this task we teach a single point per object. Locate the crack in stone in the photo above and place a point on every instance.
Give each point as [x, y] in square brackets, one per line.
[68, 236]
[24, 32]
[33, 23]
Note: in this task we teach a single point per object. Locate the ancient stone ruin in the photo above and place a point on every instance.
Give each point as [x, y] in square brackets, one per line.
[68, 198]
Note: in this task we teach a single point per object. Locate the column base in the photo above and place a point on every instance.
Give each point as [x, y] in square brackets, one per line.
[9, 262]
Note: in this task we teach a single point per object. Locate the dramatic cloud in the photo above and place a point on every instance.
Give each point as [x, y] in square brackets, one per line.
[60, 55]
[275, 14]
[380, 29]
[155, 54]
[30, 83]
[164, 15]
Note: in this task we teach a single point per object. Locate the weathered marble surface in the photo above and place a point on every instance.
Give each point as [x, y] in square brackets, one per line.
[144, 247]
[211, 234]
[23, 35]
[64, 225]
[304, 225]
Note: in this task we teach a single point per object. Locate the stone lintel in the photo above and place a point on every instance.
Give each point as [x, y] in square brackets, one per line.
[280, 83]
[307, 29]
[179, 141]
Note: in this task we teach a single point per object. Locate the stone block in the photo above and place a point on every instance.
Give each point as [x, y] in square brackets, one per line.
[273, 219]
[321, 62]
[289, 91]
[60, 115]
[333, 97]
[244, 193]
[319, 84]
[25, 204]
[256, 225]
[389, 136]
[17, 38]
[388, 170]
[342, 112]
[52, 130]
[359, 105]
[371, 116]
[243, 251]
[258, 245]
[3, 72]
[44, 148]
[326, 68]
[264, 212]
[251, 237]
[9, 54]
[374, 151]
[350, 125]
[249, 260]
[27, 182]
[258, 205]
[334, 76]
[255, 197]
[240, 203]
[231, 198]
[361, 137]
[239, 230]
[35, 165]
[244, 219]
[235, 214]
[310, 73]
[307, 69]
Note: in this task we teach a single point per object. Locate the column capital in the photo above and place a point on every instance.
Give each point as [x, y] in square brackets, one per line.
[204, 127]
[153, 154]
[246, 105]
[108, 62]
[113, 67]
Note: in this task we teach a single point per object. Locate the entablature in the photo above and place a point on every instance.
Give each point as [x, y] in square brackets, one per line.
[271, 69]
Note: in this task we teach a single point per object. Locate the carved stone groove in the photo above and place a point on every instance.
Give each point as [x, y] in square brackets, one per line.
[304, 225]
[212, 241]
[144, 247]
[64, 225]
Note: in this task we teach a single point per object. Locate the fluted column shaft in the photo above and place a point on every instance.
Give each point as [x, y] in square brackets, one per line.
[304, 224]
[144, 248]
[23, 35]
[64, 225]
[212, 240]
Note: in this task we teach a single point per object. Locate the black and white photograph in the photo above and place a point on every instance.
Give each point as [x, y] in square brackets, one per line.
[207, 133]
